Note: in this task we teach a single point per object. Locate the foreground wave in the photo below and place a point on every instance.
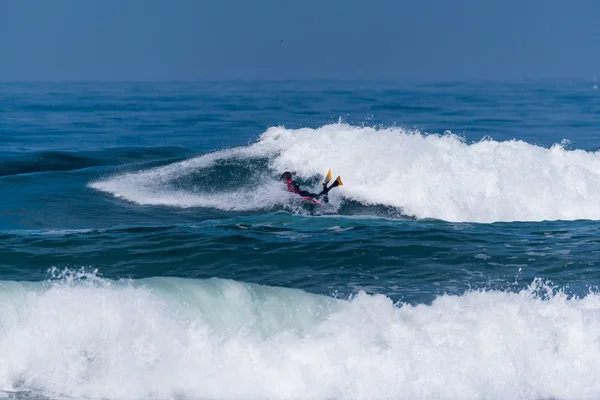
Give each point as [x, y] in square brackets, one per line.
[83, 336]
[425, 176]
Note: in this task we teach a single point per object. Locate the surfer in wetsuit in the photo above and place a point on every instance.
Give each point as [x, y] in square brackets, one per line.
[294, 187]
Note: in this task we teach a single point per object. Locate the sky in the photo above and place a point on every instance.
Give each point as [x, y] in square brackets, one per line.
[404, 40]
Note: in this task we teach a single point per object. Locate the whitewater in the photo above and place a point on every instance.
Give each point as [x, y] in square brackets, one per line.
[439, 176]
[83, 336]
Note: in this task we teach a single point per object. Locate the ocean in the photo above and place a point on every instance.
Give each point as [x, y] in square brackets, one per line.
[148, 249]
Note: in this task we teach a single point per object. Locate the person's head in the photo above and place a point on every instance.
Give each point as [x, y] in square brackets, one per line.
[286, 176]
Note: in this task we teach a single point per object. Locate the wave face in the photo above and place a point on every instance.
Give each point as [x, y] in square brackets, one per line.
[425, 176]
[83, 336]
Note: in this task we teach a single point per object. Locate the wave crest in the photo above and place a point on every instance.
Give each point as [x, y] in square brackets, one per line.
[426, 176]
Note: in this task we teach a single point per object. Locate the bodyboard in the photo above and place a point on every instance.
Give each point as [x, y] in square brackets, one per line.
[311, 200]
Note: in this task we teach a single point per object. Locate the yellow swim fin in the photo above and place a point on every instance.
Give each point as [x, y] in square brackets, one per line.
[327, 177]
[338, 182]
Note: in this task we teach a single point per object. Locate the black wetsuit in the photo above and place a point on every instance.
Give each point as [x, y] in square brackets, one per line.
[294, 187]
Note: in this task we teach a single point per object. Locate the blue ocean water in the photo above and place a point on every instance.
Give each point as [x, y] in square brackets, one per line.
[148, 250]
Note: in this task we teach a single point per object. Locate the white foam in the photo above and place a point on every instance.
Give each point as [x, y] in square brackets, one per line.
[428, 176]
[443, 177]
[151, 187]
[178, 338]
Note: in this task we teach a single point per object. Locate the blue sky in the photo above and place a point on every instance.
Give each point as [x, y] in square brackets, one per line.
[309, 39]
